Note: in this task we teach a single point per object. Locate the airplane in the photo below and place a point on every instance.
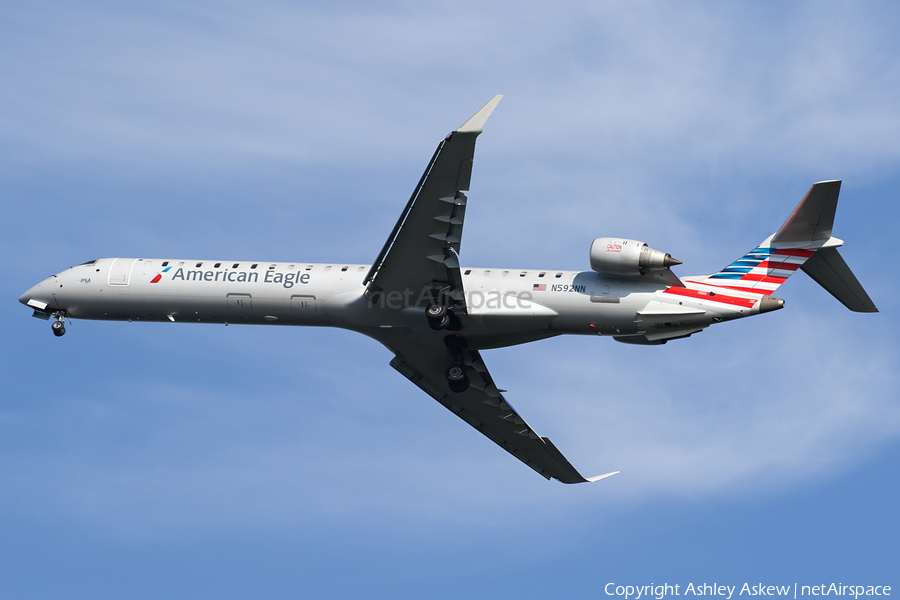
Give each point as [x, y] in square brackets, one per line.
[436, 316]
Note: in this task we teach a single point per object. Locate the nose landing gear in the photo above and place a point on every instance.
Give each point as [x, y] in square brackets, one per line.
[59, 325]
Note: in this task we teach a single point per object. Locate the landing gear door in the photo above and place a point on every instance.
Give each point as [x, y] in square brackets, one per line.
[120, 271]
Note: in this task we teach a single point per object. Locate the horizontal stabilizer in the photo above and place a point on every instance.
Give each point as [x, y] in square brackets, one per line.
[828, 269]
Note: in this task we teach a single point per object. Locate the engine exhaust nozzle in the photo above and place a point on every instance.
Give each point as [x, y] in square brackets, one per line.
[671, 262]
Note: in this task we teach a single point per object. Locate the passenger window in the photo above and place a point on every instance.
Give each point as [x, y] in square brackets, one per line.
[254, 265]
[217, 265]
[235, 265]
[199, 264]
[165, 263]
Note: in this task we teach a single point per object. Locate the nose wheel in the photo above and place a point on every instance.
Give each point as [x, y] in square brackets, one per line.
[59, 326]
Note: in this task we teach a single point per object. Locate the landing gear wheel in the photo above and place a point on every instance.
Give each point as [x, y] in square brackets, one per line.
[435, 311]
[441, 323]
[457, 378]
[459, 387]
[59, 328]
[456, 372]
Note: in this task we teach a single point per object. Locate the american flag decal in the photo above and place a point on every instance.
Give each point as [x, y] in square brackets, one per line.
[539, 287]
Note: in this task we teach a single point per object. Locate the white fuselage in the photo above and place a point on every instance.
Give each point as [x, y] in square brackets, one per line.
[503, 306]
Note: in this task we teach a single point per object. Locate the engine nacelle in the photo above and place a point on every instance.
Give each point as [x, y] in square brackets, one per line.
[630, 258]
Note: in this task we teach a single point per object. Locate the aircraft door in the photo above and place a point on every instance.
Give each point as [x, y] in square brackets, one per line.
[120, 271]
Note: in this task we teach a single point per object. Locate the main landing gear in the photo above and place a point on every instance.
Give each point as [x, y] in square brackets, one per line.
[59, 325]
[457, 378]
[439, 316]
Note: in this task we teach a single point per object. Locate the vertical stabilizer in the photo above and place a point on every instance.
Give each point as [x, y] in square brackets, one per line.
[813, 218]
[803, 242]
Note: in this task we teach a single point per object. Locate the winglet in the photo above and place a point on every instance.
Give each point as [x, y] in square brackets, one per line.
[599, 477]
[476, 123]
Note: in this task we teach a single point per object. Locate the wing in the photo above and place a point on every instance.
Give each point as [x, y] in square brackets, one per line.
[483, 407]
[422, 250]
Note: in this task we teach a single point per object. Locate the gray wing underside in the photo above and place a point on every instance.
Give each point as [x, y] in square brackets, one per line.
[483, 407]
[424, 246]
[421, 255]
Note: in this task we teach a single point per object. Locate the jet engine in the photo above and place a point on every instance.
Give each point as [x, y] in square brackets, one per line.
[630, 258]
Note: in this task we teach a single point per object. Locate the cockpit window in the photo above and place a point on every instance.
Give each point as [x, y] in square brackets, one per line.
[88, 263]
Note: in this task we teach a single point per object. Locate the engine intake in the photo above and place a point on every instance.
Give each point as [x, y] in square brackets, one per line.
[630, 258]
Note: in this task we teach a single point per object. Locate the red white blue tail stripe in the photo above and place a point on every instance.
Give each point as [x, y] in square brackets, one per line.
[759, 272]
[742, 283]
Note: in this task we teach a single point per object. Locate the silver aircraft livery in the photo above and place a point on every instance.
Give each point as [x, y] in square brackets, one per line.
[435, 316]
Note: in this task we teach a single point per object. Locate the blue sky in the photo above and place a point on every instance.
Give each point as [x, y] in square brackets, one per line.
[155, 460]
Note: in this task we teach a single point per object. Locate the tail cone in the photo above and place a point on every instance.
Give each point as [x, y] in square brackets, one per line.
[770, 303]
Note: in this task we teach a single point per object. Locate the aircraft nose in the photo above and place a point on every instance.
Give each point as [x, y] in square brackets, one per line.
[36, 294]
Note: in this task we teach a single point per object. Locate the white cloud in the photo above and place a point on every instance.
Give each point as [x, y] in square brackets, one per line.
[663, 88]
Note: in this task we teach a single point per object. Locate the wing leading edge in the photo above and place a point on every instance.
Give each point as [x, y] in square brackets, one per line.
[423, 248]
